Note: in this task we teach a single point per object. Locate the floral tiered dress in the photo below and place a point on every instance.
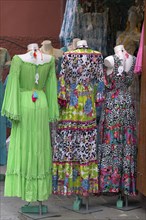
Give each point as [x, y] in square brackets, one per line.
[75, 167]
[29, 167]
[118, 148]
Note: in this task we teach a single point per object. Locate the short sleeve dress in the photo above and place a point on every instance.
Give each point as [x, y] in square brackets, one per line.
[30, 106]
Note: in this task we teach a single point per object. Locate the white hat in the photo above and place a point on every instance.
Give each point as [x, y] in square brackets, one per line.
[82, 44]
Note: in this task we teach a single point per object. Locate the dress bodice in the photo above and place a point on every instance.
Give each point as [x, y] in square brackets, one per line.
[82, 66]
[118, 80]
[26, 72]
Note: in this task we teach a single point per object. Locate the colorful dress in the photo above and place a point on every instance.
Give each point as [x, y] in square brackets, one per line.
[29, 166]
[118, 148]
[75, 168]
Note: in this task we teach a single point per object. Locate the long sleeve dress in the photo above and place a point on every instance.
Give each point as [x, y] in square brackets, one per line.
[75, 167]
[29, 166]
[118, 142]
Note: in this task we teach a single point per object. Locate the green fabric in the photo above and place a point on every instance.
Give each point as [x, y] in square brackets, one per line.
[29, 167]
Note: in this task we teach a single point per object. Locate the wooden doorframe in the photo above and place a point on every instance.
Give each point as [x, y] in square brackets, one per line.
[141, 159]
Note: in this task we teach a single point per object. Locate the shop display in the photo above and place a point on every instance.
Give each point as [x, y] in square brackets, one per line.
[75, 166]
[30, 102]
[117, 150]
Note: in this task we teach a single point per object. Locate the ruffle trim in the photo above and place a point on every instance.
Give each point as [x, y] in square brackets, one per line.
[54, 119]
[11, 116]
[32, 177]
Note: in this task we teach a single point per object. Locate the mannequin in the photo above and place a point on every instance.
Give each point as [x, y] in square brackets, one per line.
[47, 48]
[70, 45]
[130, 37]
[74, 171]
[118, 147]
[125, 57]
[34, 55]
[30, 89]
[82, 44]
[73, 45]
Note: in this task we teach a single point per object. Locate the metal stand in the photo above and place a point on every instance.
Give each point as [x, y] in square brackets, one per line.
[130, 205]
[2, 177]
[40, 211]
[123, 204]
[81, 205]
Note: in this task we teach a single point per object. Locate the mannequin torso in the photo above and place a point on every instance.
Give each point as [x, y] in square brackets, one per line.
[34, 55]
[126, 60]
[47, 48]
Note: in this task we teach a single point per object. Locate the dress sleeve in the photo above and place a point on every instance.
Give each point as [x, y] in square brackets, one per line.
[62, 97]
[100, 80]
[11, 102]
[51, 92]
[99, 94]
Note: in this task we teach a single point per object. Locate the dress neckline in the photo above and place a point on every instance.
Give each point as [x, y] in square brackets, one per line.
[34, 64]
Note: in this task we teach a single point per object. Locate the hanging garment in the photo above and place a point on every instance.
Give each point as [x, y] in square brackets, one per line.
[4, 61]
[138, 65]
[69, 22]
[75, 168]
[93, 28]
[88, 26]
[118, 148]
[30, 106]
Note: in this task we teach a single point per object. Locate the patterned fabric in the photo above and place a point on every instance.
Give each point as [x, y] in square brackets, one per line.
[93, 28]
[118, 148]
[69, 21]
[88, 26]
[75, 168]
[29, 166]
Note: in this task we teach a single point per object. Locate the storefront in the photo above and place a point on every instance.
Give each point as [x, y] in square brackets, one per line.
[29, 29]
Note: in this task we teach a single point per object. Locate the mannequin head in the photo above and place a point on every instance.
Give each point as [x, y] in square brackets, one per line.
[32, 46]
[120, 51]
[46, 45]
[82, 44]
[74, 43]
[119, 48]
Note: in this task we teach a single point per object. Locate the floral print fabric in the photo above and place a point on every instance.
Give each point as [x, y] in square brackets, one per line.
[117, 150]
[75, 168]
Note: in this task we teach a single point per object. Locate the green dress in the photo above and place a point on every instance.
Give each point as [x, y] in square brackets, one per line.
[29, 166]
